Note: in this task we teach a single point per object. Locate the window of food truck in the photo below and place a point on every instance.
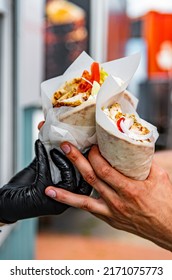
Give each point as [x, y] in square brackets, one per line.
[66, 34]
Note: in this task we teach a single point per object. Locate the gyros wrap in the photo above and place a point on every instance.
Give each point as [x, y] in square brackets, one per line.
[125, 140]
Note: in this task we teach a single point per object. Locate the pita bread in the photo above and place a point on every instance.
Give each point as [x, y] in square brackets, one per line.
[83, 115]
[131, 159]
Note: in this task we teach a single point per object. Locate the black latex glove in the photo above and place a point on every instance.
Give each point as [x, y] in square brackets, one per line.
[24, 196]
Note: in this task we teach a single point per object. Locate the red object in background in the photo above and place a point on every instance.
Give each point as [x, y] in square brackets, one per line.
[118, 34]
[157, 32]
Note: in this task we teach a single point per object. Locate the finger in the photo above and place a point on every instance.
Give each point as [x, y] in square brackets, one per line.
[107, 173]
[66, 168]
[86, 203]
[42, 160]
[41, 124]
[84, 167]
[75, 156]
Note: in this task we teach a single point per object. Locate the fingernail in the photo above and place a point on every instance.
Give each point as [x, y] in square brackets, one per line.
[51, 193]
[65, 148]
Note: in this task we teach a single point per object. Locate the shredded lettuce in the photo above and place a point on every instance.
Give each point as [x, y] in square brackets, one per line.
[103, 75]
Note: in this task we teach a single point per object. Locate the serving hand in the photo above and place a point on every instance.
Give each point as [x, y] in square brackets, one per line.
[24, 196]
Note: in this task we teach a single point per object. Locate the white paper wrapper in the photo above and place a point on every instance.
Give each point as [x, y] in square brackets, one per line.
[130, 157]
[54, 132]
[76, 125]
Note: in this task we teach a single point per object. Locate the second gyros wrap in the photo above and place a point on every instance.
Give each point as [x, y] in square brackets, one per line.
[125, 140]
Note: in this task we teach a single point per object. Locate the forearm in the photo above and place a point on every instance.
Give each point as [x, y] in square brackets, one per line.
[157, 230]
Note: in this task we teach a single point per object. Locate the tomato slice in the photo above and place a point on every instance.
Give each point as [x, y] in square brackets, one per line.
[84, 85]
[119, 122]
[94, 76]
[95, 72]
[86, 75]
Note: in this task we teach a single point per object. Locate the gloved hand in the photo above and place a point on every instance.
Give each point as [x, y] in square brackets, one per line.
[23, 197]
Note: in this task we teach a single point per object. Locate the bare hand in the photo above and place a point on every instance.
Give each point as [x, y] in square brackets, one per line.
[140, 207]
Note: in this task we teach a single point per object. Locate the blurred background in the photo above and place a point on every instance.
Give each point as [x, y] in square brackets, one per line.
[38, 41]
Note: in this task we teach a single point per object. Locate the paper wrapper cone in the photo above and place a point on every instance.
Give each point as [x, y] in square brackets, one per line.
[54, 132]
[76, 125]
[130, 157]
